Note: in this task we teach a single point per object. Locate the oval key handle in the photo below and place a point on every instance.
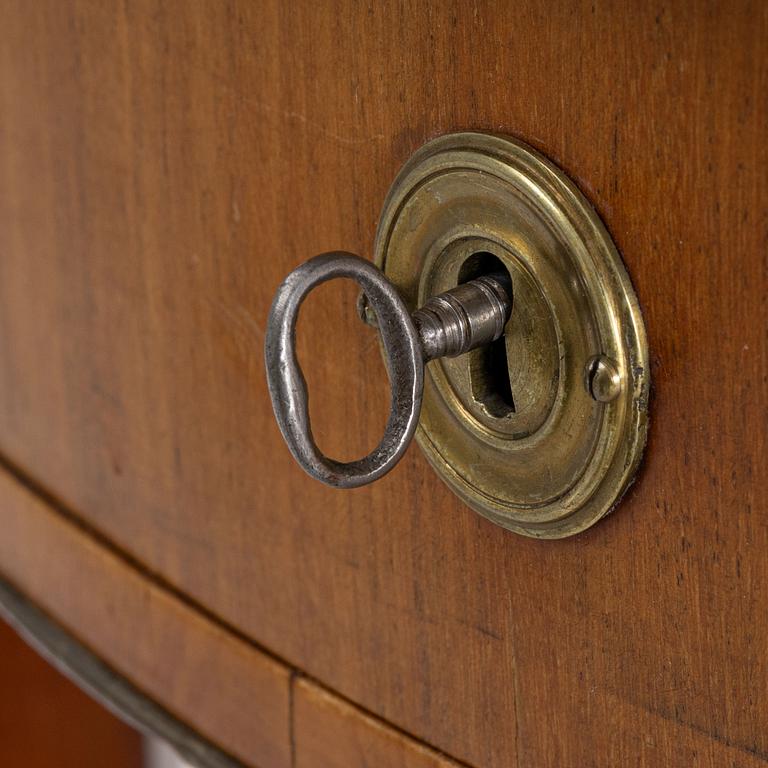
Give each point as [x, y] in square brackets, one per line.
[468, 316]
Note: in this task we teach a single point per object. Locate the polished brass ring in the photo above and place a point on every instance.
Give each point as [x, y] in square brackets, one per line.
[554, 453]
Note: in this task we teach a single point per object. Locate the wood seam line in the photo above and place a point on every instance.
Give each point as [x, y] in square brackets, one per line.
[51, 501]
[297, 678]
[292, 716]
[36, 489]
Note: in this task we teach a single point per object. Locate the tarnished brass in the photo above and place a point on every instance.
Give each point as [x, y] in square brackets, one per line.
[543, 430]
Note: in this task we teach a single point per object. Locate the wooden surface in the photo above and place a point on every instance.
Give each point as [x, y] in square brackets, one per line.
[163, 166]
[330, 733]
[230, 692]
[259, 710]
[47, 721]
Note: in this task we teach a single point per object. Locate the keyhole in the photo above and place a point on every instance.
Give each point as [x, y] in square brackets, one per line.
[488, 366]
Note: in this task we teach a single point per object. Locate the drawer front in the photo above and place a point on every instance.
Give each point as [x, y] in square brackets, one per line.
[163, 166]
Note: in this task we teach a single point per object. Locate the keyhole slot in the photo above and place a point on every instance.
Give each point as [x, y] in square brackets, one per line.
[488, 365]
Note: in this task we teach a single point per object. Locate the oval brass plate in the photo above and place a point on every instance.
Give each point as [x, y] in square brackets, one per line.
[543, 434]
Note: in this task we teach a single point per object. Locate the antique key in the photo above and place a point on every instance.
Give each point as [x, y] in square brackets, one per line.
[448, 325]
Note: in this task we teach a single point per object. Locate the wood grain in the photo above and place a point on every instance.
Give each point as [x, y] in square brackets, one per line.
[162, 166]
[330, 733]
[234, 695]
[47, 721]
[316, 728]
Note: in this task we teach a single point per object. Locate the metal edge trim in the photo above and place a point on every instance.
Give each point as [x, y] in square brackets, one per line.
[102, 683]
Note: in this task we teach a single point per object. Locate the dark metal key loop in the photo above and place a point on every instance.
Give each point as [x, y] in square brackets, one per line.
[469, 316]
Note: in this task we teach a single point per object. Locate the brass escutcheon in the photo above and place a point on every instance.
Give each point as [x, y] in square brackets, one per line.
[543, 430]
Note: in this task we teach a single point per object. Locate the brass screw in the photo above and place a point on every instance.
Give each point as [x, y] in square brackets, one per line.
[603, 379]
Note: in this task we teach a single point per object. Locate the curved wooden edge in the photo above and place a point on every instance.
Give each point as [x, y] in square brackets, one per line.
[102, 683]
[136, 642]
[161, 663]
[332, 733]
[170, 669]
